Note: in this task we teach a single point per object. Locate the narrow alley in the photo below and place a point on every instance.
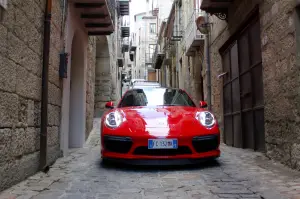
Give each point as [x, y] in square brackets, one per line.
[205, 79]
[237, 174]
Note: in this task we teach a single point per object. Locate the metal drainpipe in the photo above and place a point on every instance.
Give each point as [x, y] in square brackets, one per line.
[45, 77]
[208, 75]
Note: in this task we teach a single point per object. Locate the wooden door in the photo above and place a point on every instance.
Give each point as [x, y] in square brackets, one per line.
[243, 99]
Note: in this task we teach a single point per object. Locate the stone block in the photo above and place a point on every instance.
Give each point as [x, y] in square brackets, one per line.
[55, 38]
[34, 11]
[8, 17]
[279, 152]
[54, 94]
[286, 42]
[15, 171]
[27, 32]
[5, 145]
[30, 113]
[53, 115]
[295, 153]
[21, 54]
[8, 74]
[28, 84]
[54, 58]
[3, 39]
[54, 153]
[56, 14]
[53, 135]
[23, 141]
[23, 108]
[37, 113]
[8, 109]
[54, 76]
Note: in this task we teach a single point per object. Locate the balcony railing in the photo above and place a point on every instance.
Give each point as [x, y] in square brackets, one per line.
[132, 42]
[158, 56]
[124, 7]
[125, 26]
[155, 53]
[193, 38]
[125, 44]
[120, 57]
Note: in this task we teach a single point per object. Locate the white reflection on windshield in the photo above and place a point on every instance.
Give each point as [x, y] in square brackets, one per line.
[155, 97]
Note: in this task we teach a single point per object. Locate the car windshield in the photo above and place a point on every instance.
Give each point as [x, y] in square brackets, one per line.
[156, 97]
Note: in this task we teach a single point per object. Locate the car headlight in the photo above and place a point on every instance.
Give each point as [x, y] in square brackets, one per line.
[206, 118]
[114, 119]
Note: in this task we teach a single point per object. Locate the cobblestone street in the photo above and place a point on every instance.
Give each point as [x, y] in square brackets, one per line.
[237, 174]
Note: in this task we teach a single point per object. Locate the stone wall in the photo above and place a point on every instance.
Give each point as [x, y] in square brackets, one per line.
[280, 72]
[104, 75]
[21, 39]
[281, 82]
[90, 85]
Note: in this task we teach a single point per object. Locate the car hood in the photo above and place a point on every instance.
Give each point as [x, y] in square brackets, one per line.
[162, 121]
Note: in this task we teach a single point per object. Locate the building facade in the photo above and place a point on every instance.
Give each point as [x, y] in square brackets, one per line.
[48, 99]
[147, 26]
[254, 75]
[145, 38]
[179, 56]
[249, 78]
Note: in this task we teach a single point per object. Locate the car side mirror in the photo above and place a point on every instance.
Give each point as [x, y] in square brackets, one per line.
[203, 104]
[109, 105]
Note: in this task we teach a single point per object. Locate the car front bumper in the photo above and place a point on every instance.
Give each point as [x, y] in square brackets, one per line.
[134, 149]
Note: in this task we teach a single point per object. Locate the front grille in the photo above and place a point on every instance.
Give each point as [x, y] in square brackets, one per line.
[205, 143]
[143, 150]
[117, 144]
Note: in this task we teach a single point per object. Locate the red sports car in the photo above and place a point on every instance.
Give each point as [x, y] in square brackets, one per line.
[159, 125]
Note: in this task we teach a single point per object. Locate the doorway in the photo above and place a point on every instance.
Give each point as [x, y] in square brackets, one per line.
[243, 99]
[77, 95]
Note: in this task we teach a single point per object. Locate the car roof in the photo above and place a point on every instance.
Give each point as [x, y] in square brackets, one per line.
[154, 87]
[133, 80]
[145, 86]
[145, 82]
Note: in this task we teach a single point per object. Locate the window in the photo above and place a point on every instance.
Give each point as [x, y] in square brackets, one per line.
[152, 28]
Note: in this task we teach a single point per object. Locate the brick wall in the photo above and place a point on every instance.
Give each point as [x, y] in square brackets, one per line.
[21, 39]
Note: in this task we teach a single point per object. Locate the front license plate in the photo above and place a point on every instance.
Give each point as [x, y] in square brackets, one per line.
[162, 144]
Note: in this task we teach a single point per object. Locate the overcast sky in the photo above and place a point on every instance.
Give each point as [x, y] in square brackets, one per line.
[136, 6]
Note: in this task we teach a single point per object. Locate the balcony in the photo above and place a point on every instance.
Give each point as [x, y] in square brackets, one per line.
[120, 57]
[218, 8]
[125, 44]
[158, 57]
[132, 45]
[177, 33]
[193, 38]
[124, 7]
[131, 55]
[97, 15]
[125, 26]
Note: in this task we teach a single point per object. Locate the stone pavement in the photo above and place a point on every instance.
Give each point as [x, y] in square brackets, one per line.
[237, 174]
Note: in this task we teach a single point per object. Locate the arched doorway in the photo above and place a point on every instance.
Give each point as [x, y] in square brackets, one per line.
[77, 94]
[105, 81]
